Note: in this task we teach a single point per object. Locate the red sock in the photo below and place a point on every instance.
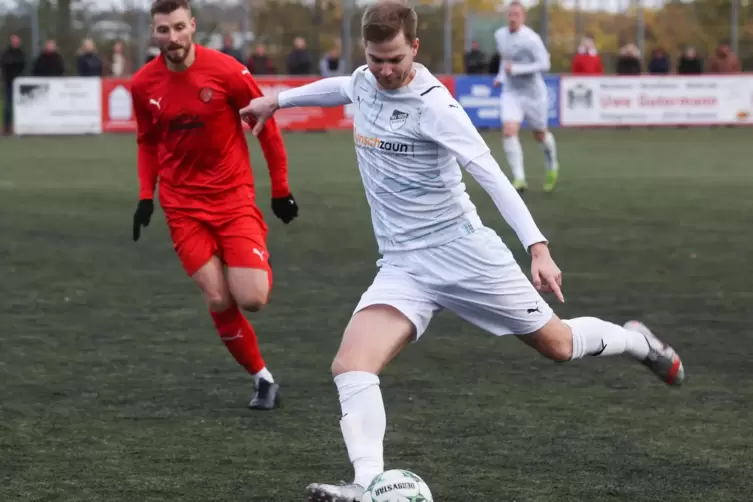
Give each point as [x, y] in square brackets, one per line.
[239, 338]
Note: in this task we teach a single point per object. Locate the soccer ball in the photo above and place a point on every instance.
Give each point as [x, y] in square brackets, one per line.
[397, 486]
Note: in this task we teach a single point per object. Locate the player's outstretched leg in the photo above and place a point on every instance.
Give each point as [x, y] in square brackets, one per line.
[514, 155]
[374, 336]
[236, 332]
[588, 336]
[549, 147]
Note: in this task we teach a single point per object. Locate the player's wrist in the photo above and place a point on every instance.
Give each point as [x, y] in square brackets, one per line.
[539, 249]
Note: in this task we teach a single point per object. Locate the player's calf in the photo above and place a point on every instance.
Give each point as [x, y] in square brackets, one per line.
[514, 154]
[588, 336]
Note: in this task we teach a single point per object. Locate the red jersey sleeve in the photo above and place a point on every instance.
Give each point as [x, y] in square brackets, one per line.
[147, 141]
[243, 88]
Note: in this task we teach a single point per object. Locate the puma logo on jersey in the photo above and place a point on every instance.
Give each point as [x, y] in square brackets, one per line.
[387, 146]
[156, 102]
[259, 253]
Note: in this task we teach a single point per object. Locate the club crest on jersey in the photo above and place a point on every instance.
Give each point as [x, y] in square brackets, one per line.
[206, 94]
[398, 119]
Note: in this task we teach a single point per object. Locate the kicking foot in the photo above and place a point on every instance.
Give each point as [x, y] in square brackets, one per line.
[316, 492]
[662, 359]
[266, 397]
[520, 185]
[551, 179]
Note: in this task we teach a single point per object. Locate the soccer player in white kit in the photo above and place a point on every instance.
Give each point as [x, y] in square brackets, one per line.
[410, 135]
[523, 60]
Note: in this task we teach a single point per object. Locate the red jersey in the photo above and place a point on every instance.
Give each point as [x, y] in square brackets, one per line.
[190, 134]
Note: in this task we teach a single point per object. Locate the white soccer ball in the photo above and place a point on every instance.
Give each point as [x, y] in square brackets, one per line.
[397, 486]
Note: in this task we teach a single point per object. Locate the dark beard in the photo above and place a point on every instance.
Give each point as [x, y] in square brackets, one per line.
[180, 59]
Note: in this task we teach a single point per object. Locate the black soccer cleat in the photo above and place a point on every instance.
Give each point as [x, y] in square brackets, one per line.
[267, 396]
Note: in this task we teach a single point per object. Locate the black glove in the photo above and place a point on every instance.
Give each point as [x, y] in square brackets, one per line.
[285, 208]
[142, 217]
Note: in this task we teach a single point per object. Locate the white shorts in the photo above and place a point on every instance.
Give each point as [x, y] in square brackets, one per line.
[516, 108]
[475, 276]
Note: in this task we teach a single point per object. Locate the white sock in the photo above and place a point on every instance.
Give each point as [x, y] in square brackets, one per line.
[363, 423]
[549, 147]
[264, 374]
[514, 154]
[594, 337]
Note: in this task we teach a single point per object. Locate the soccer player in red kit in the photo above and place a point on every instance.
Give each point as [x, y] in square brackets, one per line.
[190, 137]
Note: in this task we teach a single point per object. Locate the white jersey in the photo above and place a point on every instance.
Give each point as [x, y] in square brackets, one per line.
[529, 59]
[409, 163]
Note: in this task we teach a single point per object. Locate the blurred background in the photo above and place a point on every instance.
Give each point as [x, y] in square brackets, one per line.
[321, 37]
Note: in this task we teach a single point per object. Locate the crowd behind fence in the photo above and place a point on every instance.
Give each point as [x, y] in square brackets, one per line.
[316, 30]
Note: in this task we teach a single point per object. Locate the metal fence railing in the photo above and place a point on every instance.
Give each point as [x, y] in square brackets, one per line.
[447, 27]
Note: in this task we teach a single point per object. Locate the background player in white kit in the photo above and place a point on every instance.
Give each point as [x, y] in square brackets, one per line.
[523, 60]
[410, 134]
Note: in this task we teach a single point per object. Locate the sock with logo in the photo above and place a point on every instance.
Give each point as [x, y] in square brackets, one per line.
[514, 154]
[549, 147]
[594, 337]
[363, 423]
[240, 339]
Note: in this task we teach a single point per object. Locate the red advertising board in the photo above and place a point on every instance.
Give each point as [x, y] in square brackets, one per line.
[117, 106]
[118, 115]
[305, 118]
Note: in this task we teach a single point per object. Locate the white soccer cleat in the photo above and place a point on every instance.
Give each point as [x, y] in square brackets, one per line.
[662, 359]
[316, 492]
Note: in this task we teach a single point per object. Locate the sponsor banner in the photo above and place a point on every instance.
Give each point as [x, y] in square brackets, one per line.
[60, 105]
[670, 100]
[481, 100]
[118, 115]
[304, 118]
[117, 106]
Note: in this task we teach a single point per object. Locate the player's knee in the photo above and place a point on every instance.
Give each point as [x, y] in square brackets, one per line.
[554, 341]
[539, 135]
[510, 130]
[252, 303]
[344, 364]
[252, 300]
[218, 301]
[558, 350]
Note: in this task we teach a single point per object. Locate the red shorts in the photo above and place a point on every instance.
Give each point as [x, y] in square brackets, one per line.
[239, 240]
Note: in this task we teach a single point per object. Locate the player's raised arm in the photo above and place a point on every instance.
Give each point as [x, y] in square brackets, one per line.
[333, 91]
[327, 92]
[542, 61]
[148, 168]
[243, 89]
[446, 123]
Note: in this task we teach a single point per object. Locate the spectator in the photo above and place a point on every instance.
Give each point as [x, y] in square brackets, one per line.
[299, 59]
[259, 63]
[689, 63]
[587, 60]
[49, 63]
[494, 64]
[119, 64]
[331, 65]
[228, 47]
[659, 63]
[475, 60]
[629, 62]
[12, 64]
[88, 63]
[724, 60]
